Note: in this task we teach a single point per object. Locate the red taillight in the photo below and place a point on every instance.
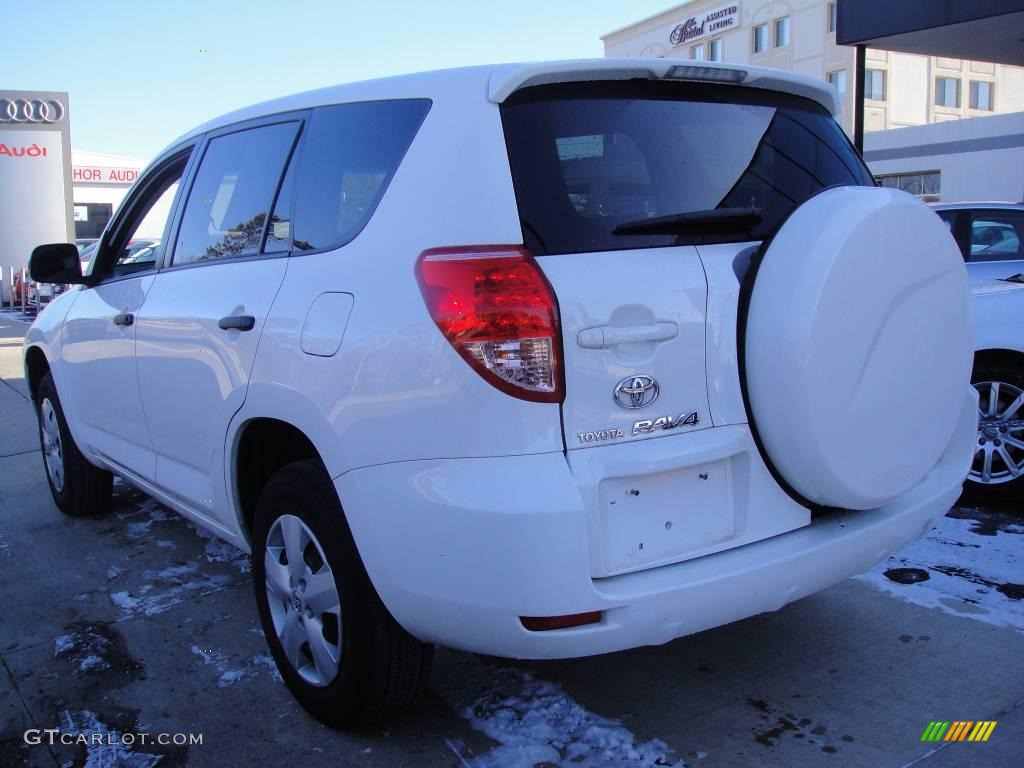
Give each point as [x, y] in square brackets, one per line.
[496, 308]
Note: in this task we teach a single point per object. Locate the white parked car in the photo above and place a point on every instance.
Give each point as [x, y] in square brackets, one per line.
[539, 361]
[990, 236]
[998, 467]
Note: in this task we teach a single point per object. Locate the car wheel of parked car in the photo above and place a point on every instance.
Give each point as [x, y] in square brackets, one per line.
[343, 656]
[998, 466]
[79, 489]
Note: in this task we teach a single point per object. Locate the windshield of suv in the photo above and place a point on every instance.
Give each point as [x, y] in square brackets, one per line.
[587, 158]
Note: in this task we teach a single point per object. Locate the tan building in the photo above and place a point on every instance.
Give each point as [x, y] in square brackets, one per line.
[901, 89]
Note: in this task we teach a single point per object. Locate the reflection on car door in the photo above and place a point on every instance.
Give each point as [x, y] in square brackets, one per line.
[99, 367]
[199, 329]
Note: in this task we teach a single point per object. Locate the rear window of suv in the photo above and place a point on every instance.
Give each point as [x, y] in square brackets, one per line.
[589, 157]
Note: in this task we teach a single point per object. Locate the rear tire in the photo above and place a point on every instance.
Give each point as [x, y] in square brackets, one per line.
[79, 489]
[366, 667]
[1000, 385]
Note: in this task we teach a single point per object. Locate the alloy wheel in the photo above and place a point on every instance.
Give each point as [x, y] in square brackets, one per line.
[999, 453]
[303, 599]
[53, 451]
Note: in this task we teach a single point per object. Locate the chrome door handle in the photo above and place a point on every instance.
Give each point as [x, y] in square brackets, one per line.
[237, 323]
[604, 336]
[126, 318]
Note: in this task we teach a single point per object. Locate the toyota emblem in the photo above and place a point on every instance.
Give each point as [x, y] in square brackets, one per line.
[636, 391]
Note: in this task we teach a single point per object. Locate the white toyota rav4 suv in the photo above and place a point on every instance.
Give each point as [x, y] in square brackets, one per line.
[538, 361]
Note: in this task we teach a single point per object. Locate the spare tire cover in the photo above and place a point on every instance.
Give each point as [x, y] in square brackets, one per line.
[858, 346]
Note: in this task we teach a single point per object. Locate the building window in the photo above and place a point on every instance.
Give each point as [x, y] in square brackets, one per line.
[697, 52]
[782, 32]
[837, 80]
[760, 38]
[874, 84]
[923, 184]
[715, 50]
[947, 92]
[832, 17]
[981, 95]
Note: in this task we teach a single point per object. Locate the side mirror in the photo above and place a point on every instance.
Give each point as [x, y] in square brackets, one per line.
[55, 263]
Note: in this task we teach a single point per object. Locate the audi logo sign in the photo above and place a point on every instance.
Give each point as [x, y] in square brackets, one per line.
[31, 111]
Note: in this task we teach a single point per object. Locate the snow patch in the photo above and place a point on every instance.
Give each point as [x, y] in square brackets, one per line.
[267, 661]
[92, 662]
[166, 588]
[113, 572]
[219, 551]
[228, 676]
[86, 646]
[966, 570]
[109, 752]
[534, 721]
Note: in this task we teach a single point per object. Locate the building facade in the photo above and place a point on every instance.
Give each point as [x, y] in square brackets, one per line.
[901, 89]
[980, 159]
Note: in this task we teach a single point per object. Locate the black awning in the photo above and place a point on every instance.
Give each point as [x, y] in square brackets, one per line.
[978, 30]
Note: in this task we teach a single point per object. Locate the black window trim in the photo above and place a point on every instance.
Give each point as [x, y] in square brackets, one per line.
[301, 117]
[140, 194]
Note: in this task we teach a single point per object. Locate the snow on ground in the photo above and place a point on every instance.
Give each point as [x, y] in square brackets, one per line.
[219, 551]
[971, 563]
[231, 673]
[86, 646]
[166, 588]
[108, 751]
[535, 722]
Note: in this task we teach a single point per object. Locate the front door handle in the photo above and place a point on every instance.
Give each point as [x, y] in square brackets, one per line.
[237, 323]
[126, 318]
[604, 336]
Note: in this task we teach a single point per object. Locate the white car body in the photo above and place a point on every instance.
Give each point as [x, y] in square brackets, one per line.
[472, 508]
[998, 316]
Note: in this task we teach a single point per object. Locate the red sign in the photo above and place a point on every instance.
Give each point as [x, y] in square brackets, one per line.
[101, 174]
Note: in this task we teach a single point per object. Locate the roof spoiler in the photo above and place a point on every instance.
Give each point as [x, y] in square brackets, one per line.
[506, 79]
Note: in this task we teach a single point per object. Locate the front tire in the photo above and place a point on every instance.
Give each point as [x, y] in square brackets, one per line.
[342, 655]
[79, 489]
[998, 467]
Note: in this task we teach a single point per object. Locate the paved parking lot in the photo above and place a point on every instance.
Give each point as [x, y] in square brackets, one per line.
[136, 622]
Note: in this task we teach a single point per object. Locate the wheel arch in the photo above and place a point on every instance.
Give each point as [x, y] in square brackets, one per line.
[998, 354]
[37, 365]
[263, 445]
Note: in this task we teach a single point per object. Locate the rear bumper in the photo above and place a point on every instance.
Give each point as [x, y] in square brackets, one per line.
[459, 549]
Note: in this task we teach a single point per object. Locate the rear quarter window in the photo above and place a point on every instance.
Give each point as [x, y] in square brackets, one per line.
[587, 157]
[349, 155]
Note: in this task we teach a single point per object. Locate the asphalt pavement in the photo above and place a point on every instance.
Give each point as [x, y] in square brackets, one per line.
[136, 623]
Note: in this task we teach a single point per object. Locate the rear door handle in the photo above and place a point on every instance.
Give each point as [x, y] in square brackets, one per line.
[124, 319]
[604, 336]
[237, 323]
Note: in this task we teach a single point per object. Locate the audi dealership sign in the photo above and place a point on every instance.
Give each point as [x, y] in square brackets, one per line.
[31, 110]
[35, 175]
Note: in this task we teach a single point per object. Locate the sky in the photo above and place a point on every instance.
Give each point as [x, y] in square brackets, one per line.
[139, 74]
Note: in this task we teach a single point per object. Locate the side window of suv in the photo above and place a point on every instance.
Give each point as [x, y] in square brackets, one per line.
[350, 153]
[226, 212]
